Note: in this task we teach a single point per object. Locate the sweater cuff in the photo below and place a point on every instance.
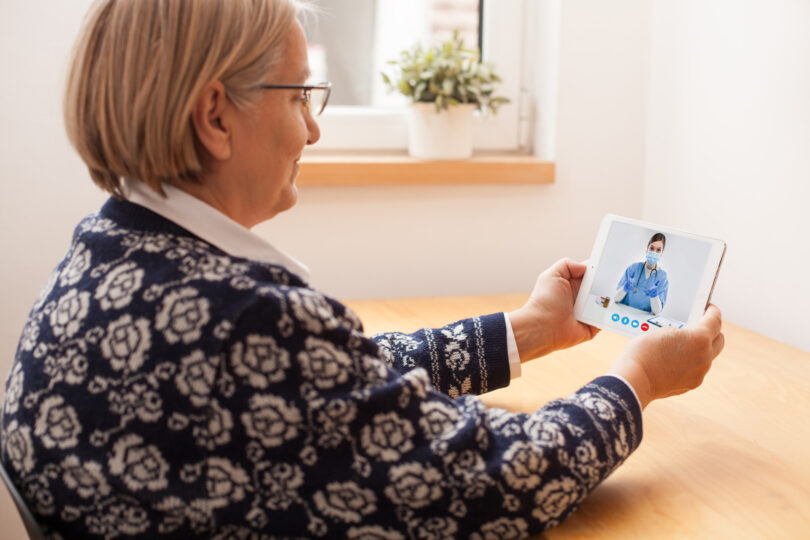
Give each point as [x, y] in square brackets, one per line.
[630, 386]
[496, 351]
[512, 349]
[622, 394]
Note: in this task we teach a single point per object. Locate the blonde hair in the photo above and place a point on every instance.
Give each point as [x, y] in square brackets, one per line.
[139, 65]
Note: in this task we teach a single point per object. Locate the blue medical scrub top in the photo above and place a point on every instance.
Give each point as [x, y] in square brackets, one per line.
[639, 299]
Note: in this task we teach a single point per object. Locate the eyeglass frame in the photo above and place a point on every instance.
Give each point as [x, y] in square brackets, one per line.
[306, 88]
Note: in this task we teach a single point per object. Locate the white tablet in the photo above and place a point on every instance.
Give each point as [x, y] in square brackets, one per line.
[643, 276]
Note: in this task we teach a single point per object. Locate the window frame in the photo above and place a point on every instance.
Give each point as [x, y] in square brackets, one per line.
[504, 29]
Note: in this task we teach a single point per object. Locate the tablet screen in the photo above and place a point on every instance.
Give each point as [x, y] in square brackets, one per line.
[646, 277]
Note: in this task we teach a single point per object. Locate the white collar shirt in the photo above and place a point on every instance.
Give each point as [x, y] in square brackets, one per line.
[211, 225]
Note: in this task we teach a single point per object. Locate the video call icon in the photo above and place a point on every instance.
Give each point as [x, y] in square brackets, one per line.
[634, 323]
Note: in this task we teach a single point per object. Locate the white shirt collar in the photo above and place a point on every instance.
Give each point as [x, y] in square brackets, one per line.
[211, 225]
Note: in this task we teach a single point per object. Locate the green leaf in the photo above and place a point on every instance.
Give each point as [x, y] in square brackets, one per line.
[446, 74]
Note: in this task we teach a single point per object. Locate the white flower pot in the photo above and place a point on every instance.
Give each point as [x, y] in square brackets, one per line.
[441, 135]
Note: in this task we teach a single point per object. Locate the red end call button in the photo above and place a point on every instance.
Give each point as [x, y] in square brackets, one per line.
[645, 326]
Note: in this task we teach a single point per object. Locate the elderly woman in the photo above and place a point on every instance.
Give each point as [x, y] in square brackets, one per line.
[178, 377]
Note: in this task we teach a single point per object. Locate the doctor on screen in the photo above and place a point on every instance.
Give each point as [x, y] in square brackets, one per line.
[644, 285]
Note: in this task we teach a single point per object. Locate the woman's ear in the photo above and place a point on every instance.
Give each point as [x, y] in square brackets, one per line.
[209, 116]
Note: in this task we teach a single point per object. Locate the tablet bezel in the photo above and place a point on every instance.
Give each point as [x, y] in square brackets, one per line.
[706, 284]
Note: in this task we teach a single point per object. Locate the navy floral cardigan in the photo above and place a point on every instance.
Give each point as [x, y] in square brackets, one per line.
[162, 388]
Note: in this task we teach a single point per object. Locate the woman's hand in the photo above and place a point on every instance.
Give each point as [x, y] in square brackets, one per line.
[671, 361]
[546, 322]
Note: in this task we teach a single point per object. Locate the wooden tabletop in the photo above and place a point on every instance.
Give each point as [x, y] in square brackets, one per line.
[728, 460]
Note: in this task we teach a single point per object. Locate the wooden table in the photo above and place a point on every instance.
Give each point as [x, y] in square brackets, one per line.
[728, 460]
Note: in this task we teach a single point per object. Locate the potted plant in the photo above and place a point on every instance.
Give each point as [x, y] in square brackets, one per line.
[445, 84]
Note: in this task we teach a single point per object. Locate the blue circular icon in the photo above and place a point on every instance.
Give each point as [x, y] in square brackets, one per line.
[615, 317]
[625, 320]
[634, 324]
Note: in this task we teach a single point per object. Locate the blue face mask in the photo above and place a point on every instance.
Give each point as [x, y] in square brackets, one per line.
[653, 258]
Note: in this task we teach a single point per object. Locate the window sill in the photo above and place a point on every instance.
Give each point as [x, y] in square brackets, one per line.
[388, 168]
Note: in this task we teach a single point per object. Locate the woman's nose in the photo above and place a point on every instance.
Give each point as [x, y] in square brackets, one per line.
[313, 130]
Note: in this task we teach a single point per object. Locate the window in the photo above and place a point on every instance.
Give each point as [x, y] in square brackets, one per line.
[351, 40]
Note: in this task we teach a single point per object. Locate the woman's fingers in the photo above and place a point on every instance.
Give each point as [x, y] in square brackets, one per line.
[712, 320]
[718, 344]
[569, 269]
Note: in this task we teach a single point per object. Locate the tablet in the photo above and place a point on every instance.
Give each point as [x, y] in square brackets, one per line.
[642, 277]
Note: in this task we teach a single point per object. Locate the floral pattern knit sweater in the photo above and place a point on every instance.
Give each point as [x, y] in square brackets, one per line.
[162, 388]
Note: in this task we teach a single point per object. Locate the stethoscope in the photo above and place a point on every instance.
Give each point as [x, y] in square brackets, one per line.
[638, 279]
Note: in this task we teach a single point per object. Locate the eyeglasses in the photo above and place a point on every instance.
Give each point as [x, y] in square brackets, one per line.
[314, 98]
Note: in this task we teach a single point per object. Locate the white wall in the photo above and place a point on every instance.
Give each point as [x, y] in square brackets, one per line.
[45, 188]
[729, 149]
